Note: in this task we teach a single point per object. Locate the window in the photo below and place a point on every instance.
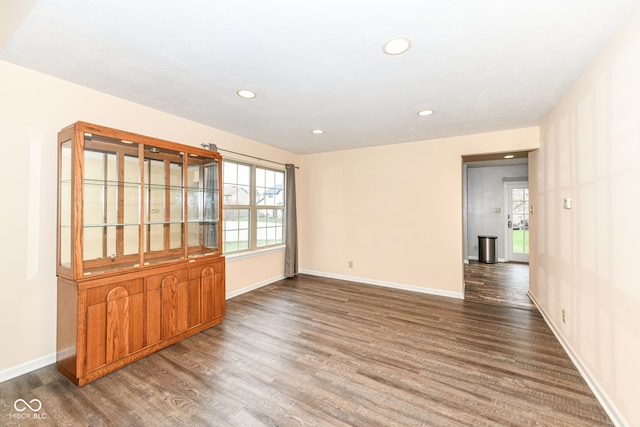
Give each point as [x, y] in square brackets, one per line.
[253, 206]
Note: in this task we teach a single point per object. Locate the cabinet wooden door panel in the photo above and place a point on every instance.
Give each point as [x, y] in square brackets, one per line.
[115, 327]
[96, 336]
[220, 291]
[117, 324]
[207, 282]
[213, 292]
[175, 306]
[195, 312]
[154, 316]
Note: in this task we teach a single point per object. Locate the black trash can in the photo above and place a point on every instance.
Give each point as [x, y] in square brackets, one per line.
[487, 249]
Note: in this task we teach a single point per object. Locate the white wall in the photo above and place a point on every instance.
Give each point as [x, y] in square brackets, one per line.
[395, 211]
[485, 194]
[585, 258]
[12, 14]
[33, 108]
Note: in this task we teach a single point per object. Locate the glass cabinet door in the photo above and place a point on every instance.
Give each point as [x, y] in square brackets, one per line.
[65, 205]
[164, 195]
[111, 204]
[203, 193]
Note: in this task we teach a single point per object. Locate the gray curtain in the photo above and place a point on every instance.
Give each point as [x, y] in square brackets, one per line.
[291, 225]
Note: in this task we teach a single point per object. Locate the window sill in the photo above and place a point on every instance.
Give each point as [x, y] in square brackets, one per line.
[258, 252]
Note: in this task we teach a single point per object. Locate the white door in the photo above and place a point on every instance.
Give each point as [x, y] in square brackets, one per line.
[517, 226]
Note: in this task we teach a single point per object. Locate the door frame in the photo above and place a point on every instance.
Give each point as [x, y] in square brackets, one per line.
[508, 255]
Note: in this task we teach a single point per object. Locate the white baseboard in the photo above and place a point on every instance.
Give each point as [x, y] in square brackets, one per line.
[475, 258]
[253, 287]
[430, 291]
[27, 367]
[607, 404]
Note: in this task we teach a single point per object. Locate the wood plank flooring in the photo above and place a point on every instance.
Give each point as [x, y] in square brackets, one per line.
[313, 351]
[501, 284]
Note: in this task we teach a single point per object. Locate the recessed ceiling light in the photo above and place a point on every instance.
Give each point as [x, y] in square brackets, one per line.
[423, 113]
[397, 46]
[317, 131]
[509, 156]
[245, 93]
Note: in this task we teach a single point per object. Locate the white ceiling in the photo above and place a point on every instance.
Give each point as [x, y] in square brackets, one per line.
[482, 65]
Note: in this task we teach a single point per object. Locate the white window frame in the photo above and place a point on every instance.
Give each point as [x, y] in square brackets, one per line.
[253, 208]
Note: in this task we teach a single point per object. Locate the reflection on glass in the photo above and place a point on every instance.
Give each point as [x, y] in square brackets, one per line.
[202, 207]
[65, 204]
[155, 203]
[163, 171]
[131, 202]
[175, 207]
[111, 194]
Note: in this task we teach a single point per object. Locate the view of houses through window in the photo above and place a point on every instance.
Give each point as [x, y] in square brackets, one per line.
[253, 206]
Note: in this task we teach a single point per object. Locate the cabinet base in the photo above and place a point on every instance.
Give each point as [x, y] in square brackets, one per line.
[112, 367]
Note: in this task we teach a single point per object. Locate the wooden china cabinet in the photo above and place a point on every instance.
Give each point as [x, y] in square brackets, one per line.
[139, 260]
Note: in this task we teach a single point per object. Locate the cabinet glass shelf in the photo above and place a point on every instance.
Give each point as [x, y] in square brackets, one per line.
[163, 187]
[105, 183]
[131, 224]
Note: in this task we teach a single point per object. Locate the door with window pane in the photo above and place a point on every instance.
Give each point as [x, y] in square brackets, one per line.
[517, 221]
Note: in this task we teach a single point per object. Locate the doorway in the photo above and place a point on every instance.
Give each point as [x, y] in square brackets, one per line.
[496, 202]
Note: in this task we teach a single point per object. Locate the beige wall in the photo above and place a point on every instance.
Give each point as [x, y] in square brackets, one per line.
[33, 108]
[586, 257]
[395, 211]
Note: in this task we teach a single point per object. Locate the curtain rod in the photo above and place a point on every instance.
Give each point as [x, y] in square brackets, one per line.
[245, 155]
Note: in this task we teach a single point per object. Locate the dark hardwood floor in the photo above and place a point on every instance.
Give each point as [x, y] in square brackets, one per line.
[316, 351]
[504, 284]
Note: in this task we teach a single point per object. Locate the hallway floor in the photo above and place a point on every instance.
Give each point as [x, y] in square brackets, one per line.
[503, 284]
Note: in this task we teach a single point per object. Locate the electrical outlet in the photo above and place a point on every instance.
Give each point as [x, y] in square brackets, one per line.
[564, 319]
[350, 264]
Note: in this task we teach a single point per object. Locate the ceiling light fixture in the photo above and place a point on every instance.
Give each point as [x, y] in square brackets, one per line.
[317, 131]
[397, 46]
[246, 93]
[509, 156]
[423, 113]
